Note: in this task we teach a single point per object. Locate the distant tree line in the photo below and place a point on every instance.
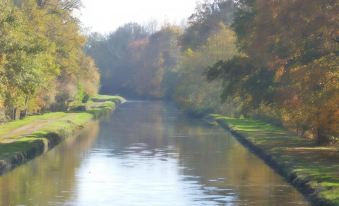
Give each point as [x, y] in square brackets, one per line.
[134, 60]
[42, 62]
[270, 60]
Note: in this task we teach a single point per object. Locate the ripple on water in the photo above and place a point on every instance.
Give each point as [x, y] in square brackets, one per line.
[153, 161]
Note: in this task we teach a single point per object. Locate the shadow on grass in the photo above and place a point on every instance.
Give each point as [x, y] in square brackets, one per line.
[313, 169]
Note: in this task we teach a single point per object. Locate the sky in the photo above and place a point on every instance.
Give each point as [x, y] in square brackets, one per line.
[105, 16]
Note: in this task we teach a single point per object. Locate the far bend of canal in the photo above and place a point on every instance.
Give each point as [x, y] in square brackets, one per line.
[148, 154]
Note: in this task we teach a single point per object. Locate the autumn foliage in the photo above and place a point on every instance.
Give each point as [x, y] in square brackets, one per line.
[291, 50]
[271, 60]
[42, 63]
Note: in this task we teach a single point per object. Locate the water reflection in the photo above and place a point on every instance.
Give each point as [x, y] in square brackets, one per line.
[148, 153]
[49, 179]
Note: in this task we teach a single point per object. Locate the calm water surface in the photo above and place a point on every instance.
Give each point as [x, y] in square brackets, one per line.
[148, 153]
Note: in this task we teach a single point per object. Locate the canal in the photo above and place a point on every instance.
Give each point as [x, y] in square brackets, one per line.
[148, 154]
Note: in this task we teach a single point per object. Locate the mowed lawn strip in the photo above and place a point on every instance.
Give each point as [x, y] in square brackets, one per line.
[24, 139]
[314, 169]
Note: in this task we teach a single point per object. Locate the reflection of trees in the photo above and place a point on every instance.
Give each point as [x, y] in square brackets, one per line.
[203, 152]
[211, 155]
[134, 123]
[44, 179]
[207, 152]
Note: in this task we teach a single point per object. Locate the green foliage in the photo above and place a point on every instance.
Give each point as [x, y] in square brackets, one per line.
[273, 60]
[242, 79]
[41, 57]
[205, 21]
[289, 64]
[140, 64]
[193, 92]
[108, 98]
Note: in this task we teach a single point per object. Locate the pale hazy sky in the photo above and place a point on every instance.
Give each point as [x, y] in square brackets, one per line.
[106, 15]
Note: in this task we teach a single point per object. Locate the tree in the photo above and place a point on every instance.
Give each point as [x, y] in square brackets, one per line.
[205, 21]
[113, 56]
[134, 61]
[28, 61]
[193, 92]
[291, 53]
[154, 59]
[41, 56]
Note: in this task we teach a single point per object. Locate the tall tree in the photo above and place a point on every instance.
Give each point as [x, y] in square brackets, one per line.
[205, 21]
[41, 56]
[294, 44]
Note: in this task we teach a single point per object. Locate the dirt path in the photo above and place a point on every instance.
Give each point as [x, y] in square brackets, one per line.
[28, 129]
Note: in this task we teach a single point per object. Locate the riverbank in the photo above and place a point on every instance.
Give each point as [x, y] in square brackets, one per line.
[22, 140]
[313, 170]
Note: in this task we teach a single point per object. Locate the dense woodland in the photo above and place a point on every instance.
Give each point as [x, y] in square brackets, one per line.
[270, 60]
[42, 62]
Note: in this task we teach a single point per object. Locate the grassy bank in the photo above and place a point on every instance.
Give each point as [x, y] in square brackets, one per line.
[312, 169]
[25, 139]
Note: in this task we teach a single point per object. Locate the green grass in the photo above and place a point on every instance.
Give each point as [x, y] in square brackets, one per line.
[8, 127]
[31, 136]
[62, 127]
[318, 167]
[100, 98]
[105, 103]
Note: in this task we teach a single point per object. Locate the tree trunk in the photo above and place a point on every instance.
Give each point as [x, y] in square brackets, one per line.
[23, 114]
[14, 113]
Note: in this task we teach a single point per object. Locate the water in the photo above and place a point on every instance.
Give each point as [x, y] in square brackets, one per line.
[148, 153]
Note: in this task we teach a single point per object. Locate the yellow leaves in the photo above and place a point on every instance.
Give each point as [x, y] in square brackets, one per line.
[89, 77]
[279, 73]
[189, 53]
[172, 29]
[2, 62]
[40, 48]
[221, 45]
[193, 91]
